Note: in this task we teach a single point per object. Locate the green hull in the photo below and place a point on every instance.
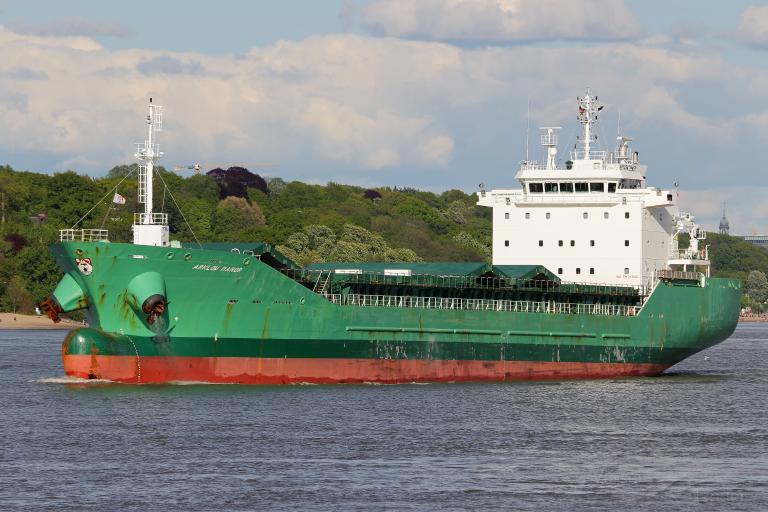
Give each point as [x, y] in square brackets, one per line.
[231, 317]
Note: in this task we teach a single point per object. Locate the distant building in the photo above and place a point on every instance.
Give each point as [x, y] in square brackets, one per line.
[39, 218]
[724, 226]
[758, 240]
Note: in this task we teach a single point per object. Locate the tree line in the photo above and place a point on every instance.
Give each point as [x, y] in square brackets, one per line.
[308, 223]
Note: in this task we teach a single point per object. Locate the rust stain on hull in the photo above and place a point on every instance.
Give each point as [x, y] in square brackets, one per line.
[257, 370]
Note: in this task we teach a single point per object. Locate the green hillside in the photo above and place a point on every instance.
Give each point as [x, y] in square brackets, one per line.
[309, 223]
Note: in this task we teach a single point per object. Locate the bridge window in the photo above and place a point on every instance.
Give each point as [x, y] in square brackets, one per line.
[573, 243]
[626, 243]
[541, 243]
[506, 243]
[578, 271]
[611, 187]
[550, 187]
[582, 187]
[626, 215]
[591, 270]
[566, 187]
[591, 243]
[559, 243]
[597, 187]
[559, 270]
[535, 188]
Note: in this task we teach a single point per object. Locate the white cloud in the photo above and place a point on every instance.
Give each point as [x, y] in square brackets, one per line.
[500, 21]
[745, 207]
[165, 64]
[753, 27]
[380, 110]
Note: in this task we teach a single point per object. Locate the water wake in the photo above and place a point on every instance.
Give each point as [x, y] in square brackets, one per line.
[66, 379]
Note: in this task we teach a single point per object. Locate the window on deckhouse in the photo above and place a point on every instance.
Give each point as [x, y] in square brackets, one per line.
[597, 187]
[550, 187]
[566, 187]
[535, 188]
[582, 187]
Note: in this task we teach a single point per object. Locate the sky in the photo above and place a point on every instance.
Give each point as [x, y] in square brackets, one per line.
[431, 94]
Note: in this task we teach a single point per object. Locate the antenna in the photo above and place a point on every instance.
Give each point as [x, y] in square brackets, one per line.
[587, 116]
[527, 128]
[549, 141]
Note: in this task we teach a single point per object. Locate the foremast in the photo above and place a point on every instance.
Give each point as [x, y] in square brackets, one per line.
[149, 228]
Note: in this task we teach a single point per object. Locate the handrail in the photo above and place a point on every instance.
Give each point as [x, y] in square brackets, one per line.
[513, 306]
[679, 275]
[155, 218]
[84, 235]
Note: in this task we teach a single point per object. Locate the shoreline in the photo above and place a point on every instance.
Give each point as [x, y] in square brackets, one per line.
[19, 321]
[753, 318]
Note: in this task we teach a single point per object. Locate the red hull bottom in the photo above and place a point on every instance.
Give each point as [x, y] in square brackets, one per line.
[248, 370]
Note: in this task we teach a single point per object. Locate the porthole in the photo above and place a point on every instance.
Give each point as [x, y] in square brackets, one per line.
[169, 256]
[246, 261]
[187, 257]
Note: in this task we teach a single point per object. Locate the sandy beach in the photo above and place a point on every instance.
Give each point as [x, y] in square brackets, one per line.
[18, 321]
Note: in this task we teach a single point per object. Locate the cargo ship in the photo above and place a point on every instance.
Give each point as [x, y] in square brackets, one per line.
[594, 274]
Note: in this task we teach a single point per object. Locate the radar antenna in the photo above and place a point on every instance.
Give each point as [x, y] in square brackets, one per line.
[587, 116]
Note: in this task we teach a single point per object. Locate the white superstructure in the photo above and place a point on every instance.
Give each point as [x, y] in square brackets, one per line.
[594, 219]
[149, 228]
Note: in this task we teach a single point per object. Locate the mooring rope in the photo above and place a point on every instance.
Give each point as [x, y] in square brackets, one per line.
[103, 198]
[179, 208]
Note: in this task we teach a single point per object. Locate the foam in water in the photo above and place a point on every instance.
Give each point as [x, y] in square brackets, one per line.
[66, 379]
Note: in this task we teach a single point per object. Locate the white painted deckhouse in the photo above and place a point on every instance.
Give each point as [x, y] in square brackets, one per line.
[592, 219]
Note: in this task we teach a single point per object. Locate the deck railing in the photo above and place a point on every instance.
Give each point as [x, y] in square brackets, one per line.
[679, 275]
[151, 218]
[84, 235]
[516, 306]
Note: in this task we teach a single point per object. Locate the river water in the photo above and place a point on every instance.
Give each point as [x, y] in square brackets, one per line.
[693, 439]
